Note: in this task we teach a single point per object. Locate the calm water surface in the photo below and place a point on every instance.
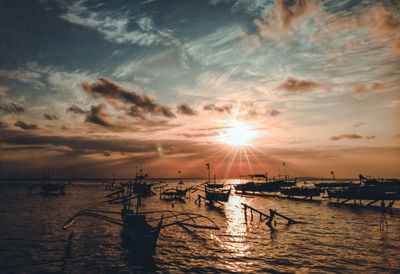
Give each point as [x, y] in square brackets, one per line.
[332, 239]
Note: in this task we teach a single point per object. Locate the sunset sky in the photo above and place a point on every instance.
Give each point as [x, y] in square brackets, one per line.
[94, 88]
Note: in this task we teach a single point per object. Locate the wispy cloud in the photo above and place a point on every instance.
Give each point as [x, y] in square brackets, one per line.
[118, 26]
[350, 136]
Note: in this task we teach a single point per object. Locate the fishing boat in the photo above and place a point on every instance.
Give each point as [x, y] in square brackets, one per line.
[214, 191]
[301, 191]
[48, 188]
[141, 186]
[177, 193]
[261, 183]
[141, 229]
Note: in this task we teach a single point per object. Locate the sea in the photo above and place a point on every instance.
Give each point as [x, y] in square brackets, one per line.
[327, 238]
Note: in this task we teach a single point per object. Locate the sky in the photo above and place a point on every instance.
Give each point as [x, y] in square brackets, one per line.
[96, 88]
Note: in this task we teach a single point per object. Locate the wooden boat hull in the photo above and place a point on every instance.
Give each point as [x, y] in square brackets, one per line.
[220, 195]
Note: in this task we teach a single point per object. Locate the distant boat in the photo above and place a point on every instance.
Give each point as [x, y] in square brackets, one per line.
[48, 188]
[264, 186]
[141, 186]
[301, 191]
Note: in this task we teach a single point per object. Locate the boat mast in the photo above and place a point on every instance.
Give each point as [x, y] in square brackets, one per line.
[208, 167]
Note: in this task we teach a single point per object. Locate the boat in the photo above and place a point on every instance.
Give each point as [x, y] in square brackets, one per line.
[141, 186]
[269, 185]
[48, 188]
[214, 191]
[141, 229]
[301, 191]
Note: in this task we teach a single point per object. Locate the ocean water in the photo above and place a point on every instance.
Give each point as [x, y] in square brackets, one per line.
[330, 239]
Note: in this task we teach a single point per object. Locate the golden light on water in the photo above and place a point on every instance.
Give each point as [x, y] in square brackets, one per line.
[239, 133]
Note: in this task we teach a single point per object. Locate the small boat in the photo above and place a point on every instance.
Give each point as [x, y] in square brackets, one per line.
[214, 191]
[48, 188]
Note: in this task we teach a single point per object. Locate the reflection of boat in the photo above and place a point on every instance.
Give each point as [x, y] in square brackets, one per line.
[264, 186]
[214, 191]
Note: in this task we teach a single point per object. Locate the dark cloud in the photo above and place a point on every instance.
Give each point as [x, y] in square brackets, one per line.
[76, 110]
[274, 113]
[184, 108]
[107, 153]
[96, 115]
[114, 94]
[12, 108]
[225, 108]
[50, 116]
[25, 126]
[2, 125]
[350, 136]
[293, 85]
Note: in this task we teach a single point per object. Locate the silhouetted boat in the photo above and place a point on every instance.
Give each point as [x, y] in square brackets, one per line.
[301, 191]
[266, 186]
[50, 188]
[214, 191]
[369, 189]
[140, 232]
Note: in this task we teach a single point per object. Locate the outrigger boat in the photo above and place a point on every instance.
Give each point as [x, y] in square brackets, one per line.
[141, 186]
[266, 186]
[301, 191]
[214, 191]
[141, 229]
[50, 188]
[177, 193]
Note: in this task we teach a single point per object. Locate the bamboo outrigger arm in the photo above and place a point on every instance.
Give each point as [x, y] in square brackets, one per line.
[87, 213]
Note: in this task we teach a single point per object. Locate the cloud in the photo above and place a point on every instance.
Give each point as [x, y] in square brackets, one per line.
[274, 113]
[293, 85]
[96, 115]
[75, 109]
[3, 125]
[359, 124]
[50, 116]
[397, 136]
[114, 94]
[25, 126]
[224, 108]
[350, 136]
[279, 19]
[119, 27]
[12, 108]
[184, 108]
[363, 90]
[200, 135]
[291, 10]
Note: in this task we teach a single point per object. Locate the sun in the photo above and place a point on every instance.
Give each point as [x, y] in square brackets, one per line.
[239, 133]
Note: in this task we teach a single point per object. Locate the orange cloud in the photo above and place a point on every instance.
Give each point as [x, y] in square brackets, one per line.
[364, 90]
[293, 85]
